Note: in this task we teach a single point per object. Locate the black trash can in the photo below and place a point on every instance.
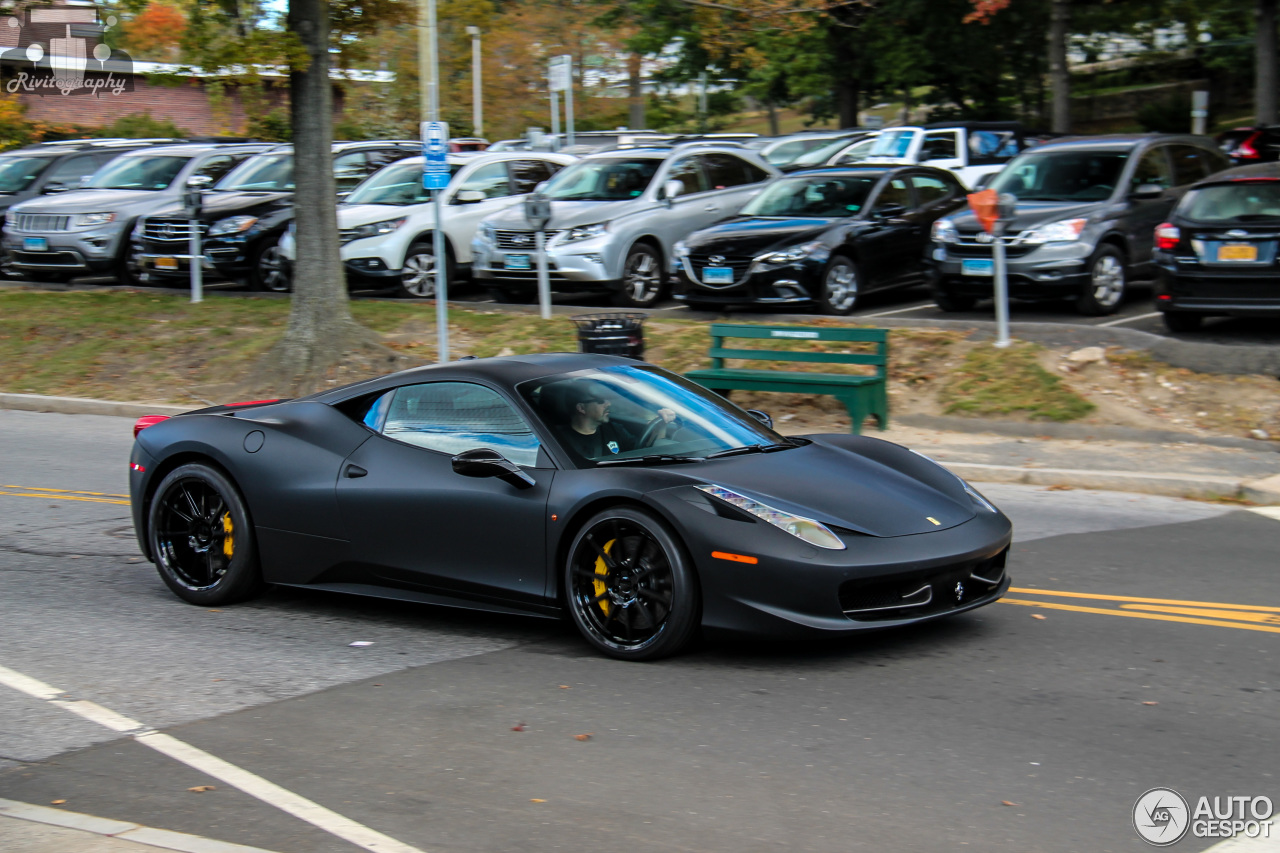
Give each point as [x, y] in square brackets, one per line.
[611, 334]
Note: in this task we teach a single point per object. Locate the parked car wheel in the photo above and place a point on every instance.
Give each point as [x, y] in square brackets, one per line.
[948, 301]
[839, 287]
[201, 539]
[1182, 321]
[643, 283]
[270, 272]
[418, 275]
[1108, 281]
[631, 589]
[129, 269]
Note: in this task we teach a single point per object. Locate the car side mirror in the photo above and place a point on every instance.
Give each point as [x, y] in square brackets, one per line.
[469, 197]
[1147, 191]
[762, 417]
[483, 462]
[671, 189]
[51, 188]
[199, 182]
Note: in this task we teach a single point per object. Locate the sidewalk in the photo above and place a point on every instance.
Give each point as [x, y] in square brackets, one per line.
[1082, 457]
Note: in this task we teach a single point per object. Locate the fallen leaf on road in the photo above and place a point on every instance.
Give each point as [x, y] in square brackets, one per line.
[1058, 487]
[200, 789]
[1036, 616]
[537, 801]
[518, 727]
[587, 736]
[215, 611]
[565, 687]
[1150, 703]
[1007, 803]
[56, 802]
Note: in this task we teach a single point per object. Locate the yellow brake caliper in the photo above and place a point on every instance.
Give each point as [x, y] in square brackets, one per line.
[228, 536]
[602, 570]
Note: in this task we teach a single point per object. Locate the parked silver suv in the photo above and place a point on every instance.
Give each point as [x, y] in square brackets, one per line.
[87, 231]
[614, 218]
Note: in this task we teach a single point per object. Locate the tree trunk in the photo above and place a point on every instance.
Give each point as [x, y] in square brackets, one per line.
[1059, 76]
[846, 84]
[1264, 94]
[773, 117]
[635, 91]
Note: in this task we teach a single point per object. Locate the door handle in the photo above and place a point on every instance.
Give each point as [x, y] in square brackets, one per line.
[711, 208]
[354, 471]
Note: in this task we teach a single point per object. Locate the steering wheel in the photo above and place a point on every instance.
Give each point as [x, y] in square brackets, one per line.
[650, 434]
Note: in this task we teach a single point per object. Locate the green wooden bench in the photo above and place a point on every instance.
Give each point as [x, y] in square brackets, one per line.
[862, 395]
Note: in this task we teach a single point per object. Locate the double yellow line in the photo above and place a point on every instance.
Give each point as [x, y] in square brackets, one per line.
[1247, 617]
[63, 494]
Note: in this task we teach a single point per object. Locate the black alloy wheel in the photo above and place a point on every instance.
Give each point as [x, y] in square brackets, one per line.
[1108, 280]
[839, 293]
[269, 272]
[631, 590]
[950, 302]
[1182, 321]
[643, 282]
[201, 539]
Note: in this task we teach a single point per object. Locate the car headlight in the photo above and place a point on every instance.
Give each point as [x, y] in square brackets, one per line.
[680, 249]
[486, 232]
[9, 218]
[978, 498]
[792, 255]
[376, 229]
[1064, 231]
[84, 220]
[813, 532]
[944, 231]
[583, 232]
[232, 225]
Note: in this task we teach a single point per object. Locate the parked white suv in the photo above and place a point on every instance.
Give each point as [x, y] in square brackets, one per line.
[387, 224]
[969, 150]
[615, 216]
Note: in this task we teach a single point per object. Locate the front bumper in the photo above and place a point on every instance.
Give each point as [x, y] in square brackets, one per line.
[583, 265]
[785, 284]
[1047, 271]
[90, 251]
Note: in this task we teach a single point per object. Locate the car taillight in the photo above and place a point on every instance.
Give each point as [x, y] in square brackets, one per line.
[252, 403]
[1167, 236]
[145, 421]
[1245, 150]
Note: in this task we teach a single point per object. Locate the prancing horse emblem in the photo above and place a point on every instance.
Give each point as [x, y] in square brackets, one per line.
[959, 591]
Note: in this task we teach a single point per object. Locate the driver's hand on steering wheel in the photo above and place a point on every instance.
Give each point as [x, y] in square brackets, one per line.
[667, 415]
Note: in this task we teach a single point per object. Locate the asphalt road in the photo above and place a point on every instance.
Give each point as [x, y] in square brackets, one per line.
[995, 730]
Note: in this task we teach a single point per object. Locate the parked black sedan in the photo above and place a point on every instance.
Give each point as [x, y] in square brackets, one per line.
[628, 498]
[825, 236]
[1216, 256]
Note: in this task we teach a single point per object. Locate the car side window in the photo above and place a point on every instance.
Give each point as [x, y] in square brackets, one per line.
[349, 169]
[1153, 168]
[930, 189]
[527, 174]
[855, 153]
[1190, 164]
[379, 157]
[490, 179]
[70, 171]
[218, 165]
[939, 146]
[987, 147]
[724, 170]
[454, 417]
[894, 193]
[689, 174]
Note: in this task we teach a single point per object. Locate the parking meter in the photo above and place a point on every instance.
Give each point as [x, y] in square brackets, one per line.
[537, 209]
[193, 202]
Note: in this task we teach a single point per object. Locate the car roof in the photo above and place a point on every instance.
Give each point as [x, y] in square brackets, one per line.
[195, 150]
[1257, 171]
[1119, 141]
[869, 169]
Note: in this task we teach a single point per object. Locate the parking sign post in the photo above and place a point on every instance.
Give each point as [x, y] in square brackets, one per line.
[537, 209]
[193, 201]
[435, 177]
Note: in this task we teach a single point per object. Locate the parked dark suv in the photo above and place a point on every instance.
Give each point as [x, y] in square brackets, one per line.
[1217, 254]
[1084, 224]
[56, 167]
[246, 214]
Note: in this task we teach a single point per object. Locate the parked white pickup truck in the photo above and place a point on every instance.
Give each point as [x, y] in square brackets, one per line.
[969, 150]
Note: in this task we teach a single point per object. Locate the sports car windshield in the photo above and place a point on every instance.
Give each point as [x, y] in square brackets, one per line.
[397, 184]
[813, 195]
[641, 415]
[611, 179]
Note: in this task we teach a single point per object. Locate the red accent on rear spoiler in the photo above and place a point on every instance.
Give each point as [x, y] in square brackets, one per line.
[145, 421]
[253, 402]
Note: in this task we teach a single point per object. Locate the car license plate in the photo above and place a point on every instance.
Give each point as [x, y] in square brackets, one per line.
[1237, 252]
[717, 275]
[979, 267]
[516, 262]
[35, 244]
[166, 263]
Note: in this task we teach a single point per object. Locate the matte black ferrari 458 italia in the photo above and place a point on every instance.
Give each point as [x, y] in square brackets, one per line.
[640, 503]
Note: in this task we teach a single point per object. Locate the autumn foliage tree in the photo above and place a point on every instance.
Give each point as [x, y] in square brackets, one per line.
[155, 32]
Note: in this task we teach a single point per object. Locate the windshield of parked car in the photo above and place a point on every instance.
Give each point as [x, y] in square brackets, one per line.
[138, 173]
[397, 184]
[892, 143]
[820, 155]
[812, 195]
[605, 179]
[783, 152]
[17, 173]
[602, 415]
[1062, 175]
[267, 172]
[1239, 202]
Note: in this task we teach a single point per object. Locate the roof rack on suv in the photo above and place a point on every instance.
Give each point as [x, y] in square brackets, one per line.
[109, 143]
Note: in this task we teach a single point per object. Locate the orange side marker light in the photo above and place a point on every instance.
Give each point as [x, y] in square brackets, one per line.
[734, 558]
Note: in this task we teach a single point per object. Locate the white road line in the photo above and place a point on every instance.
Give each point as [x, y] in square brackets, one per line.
[1129, 319]
[250, 783]
[137, 833]
[897, 310]
[1268, 511]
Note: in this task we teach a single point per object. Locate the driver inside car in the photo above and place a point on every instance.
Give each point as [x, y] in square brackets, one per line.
[591, 434]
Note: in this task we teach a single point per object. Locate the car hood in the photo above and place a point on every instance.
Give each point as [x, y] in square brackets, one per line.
[349, 216]
[1031, 214]
[221, 204]
[92, 201]
[867, 485]
[754, 234]
[570, 214]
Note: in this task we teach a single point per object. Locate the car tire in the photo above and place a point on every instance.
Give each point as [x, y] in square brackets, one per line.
[269, 273]
[951, 302]
[839, 287]
[643, 281]
[1182, 321]
[201, 538]
[418, 274]
[1108, 281]
[129, 269]
[630, 586]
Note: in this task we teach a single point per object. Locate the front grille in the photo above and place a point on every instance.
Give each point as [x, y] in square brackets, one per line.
[41, 222]
[520, 240]
[969, 247]
[169, 229]
[922, 593]
[47, 259]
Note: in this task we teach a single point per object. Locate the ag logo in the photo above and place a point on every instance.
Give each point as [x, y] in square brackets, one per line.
[1161, 817]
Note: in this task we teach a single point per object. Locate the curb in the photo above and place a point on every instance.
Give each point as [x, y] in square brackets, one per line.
[82, 406]
[1168, 485]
